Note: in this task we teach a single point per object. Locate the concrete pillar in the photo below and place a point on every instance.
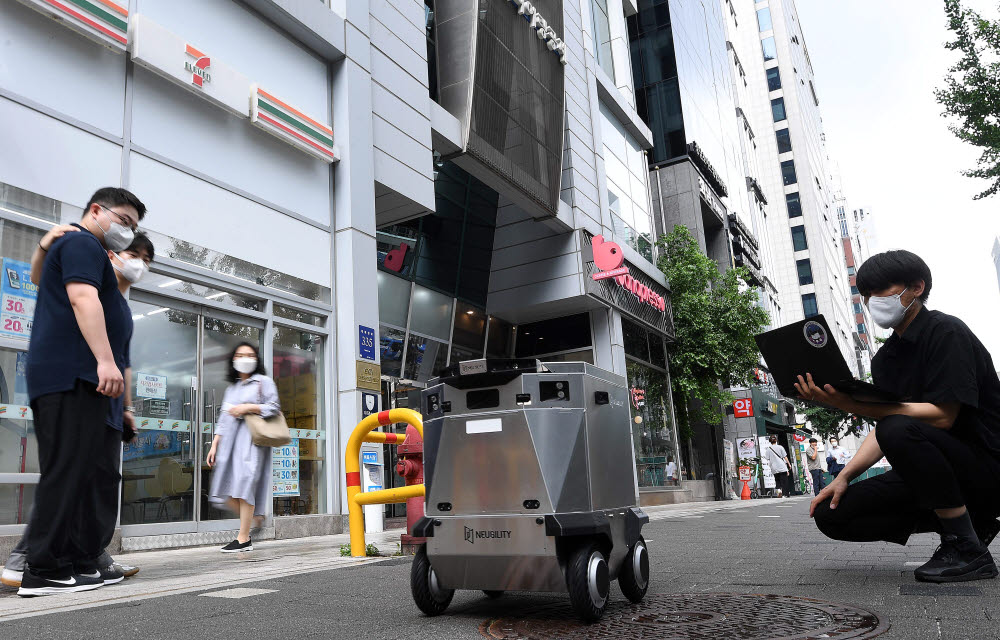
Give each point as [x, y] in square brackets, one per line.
[354, 234]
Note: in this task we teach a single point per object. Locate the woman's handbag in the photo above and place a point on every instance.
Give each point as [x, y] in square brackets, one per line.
[267, 432]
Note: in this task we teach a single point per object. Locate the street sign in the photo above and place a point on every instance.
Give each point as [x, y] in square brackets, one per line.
[743, 408]
[745, 474]
[366, 342]
[747, 448]
[369, 404]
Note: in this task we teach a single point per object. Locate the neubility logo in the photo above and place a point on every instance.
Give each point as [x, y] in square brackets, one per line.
[468, 535]
[471, 535]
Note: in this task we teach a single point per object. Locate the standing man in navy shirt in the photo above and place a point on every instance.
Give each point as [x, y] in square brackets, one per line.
[79, 336]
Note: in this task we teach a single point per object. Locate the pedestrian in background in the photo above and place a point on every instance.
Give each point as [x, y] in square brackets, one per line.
[836, 458]
[780, 465]
[671, 471]
[79, 337]
[242, 470]
[130, 265]
[815, 465]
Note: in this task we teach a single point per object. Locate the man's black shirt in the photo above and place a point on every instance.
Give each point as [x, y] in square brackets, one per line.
[939, 360]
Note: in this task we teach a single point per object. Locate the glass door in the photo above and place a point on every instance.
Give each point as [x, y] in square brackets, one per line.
[180, 357]
[158, 480]
[221, 333]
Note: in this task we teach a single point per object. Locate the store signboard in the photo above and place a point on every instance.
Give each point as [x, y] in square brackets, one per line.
[765, 465]
[17, 299]
[369, 375]
[103, 21]
[743, 408]
[148, 385]
[747, 448]
[625, 287]
[169, 55]
[280, 119]
[285, 470]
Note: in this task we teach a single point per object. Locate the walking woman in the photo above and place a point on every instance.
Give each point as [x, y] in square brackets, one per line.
[242, 470]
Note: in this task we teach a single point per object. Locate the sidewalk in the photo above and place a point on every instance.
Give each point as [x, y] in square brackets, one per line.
[177, 571]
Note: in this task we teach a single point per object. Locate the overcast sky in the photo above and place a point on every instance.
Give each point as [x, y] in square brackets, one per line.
[877, 64]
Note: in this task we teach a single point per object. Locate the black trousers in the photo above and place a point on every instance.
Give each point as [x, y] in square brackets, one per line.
[76, 502]
[781, 482]
[931, 469]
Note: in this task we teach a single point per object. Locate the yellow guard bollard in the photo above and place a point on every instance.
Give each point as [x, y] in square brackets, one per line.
[352, 468]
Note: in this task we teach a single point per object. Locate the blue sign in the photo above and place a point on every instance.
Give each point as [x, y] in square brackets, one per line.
[369, 404]
[153, 444]
[366, 342]
[17, 299]
[369, 457]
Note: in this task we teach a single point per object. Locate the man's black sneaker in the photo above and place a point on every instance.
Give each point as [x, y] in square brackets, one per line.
[957, 561]
[987, 530]
[238, 547]
[34, 585]
[111, 574]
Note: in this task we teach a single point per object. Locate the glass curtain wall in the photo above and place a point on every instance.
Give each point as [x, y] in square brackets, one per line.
[602, 36]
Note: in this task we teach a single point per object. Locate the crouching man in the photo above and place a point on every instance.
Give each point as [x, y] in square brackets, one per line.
[942, 439]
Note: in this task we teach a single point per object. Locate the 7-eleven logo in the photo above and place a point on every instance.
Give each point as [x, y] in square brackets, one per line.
[198, 68]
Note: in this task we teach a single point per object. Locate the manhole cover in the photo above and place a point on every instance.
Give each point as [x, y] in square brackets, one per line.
[707, 616]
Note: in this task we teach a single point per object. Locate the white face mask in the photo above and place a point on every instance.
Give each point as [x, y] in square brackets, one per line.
[132, 268]
[245, 365]
[888, 311]
[117, 237]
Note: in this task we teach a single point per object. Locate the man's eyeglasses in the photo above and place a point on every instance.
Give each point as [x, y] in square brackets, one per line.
[121, 219]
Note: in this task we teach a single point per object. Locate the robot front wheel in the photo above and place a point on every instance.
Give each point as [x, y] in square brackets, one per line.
[633, 578]
[430, 596]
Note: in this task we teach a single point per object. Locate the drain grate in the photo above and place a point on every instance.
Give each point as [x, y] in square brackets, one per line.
[702, 616]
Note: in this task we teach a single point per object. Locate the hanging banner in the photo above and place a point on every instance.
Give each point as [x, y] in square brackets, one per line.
[17, 299]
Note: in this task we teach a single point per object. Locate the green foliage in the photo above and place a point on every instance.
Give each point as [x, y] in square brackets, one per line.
[370, 550]
[827, 422]
[971, 95]
[715, 319]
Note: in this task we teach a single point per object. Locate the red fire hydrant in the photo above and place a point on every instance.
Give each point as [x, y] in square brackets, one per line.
[411, 467]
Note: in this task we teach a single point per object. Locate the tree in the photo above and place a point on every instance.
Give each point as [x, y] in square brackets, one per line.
[828, 422]
[715, 319]
[971, 94]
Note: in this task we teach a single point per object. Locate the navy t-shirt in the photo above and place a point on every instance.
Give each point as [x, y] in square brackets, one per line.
[58, 355]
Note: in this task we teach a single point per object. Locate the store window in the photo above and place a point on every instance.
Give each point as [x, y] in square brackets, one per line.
[570, 333]
[298, 372]
[653, 434]
[391, 343]
[500, 338]
[425, 358]
[430, 313]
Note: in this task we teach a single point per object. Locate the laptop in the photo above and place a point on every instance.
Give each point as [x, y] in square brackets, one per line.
[808, 346]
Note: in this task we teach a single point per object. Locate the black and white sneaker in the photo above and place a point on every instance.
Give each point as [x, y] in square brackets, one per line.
[33, 585]
[111, 574]
[238, 547]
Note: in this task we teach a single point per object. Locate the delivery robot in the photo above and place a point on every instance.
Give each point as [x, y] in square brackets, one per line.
[530, 485]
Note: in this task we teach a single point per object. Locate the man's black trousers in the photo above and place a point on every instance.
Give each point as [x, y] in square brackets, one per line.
[931, 469]
[76, 502]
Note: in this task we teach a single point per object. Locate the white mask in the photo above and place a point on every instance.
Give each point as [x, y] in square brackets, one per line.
[132, 268]
[245, 365]
[888, 311]
[117, 237]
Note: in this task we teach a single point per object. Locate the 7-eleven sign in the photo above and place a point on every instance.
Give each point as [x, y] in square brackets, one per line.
[198, 68]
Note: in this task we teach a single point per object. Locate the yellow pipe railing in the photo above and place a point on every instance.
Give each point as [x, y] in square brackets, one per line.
[352, 467]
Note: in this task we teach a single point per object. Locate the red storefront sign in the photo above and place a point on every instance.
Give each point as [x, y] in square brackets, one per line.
[610, 261]
[743, 408]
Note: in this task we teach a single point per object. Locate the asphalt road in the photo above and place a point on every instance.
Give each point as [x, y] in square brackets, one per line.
[768, 547]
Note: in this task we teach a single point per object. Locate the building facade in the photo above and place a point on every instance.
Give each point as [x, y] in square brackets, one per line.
[803, 231]
[320, 183]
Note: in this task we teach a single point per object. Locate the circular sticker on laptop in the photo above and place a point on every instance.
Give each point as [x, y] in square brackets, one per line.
[815, 334]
